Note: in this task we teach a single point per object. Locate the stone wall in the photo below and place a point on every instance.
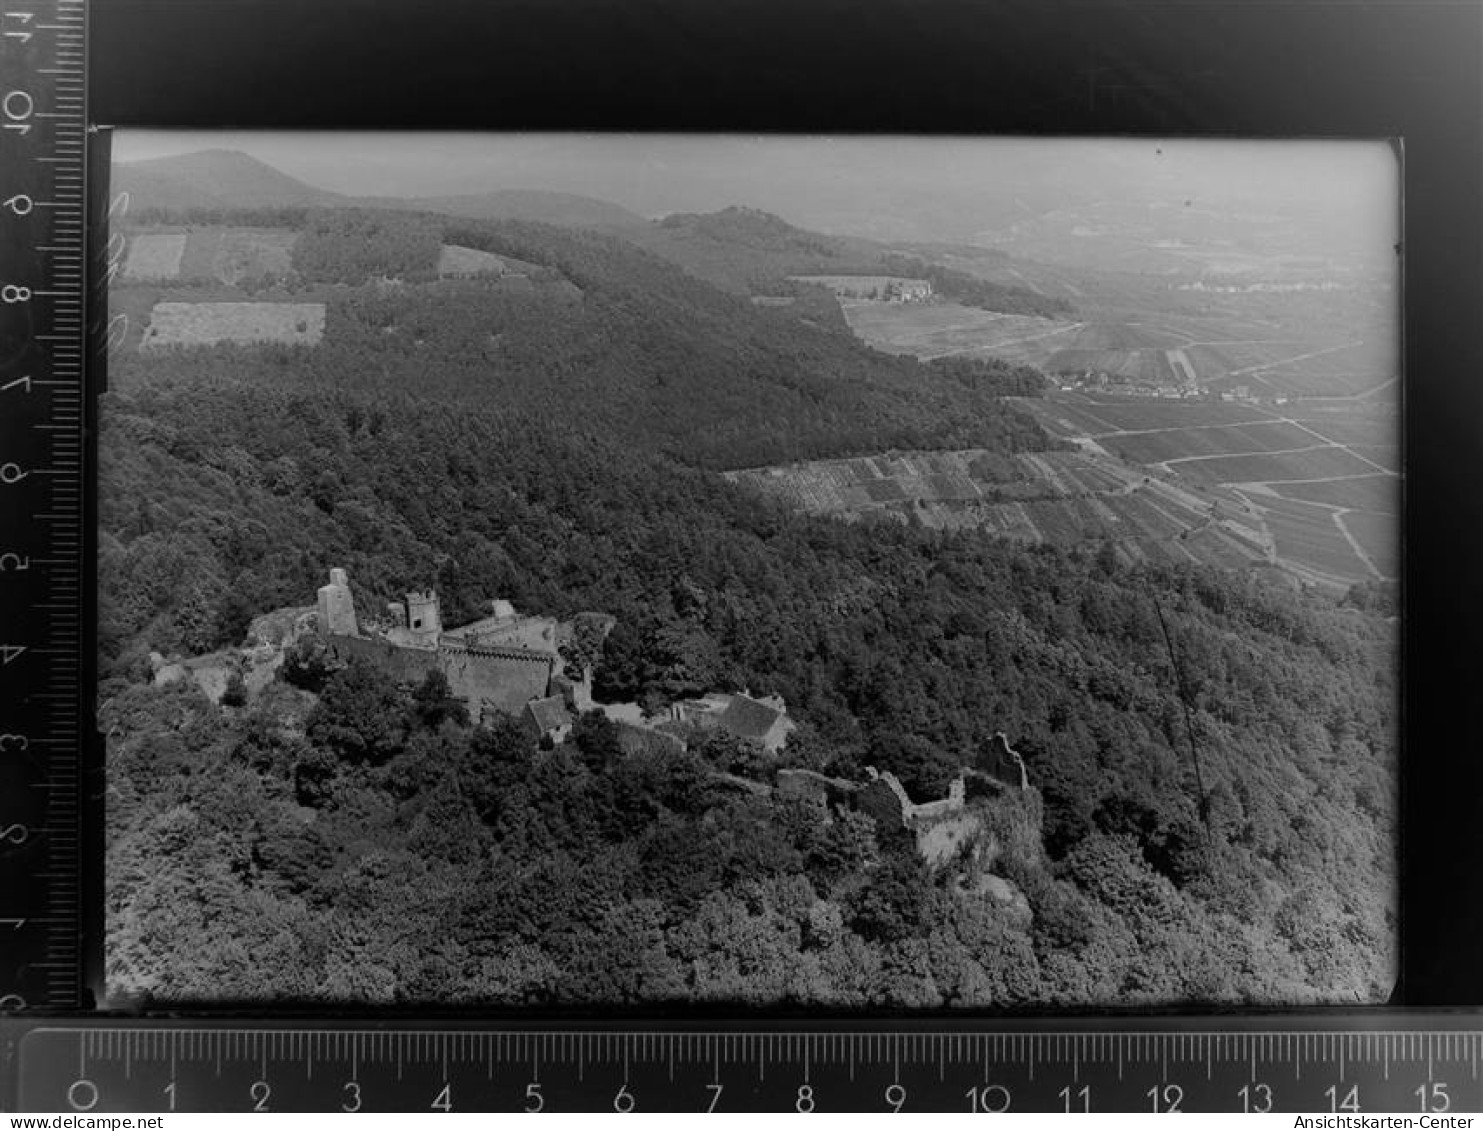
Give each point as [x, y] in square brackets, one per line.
[504, 681]
[508, 682]
[408, 665]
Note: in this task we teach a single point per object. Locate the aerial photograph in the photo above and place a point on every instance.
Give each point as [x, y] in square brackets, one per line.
[869, 573]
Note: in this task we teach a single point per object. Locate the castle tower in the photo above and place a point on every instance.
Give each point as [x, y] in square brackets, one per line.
[336, 609]
[424, 623]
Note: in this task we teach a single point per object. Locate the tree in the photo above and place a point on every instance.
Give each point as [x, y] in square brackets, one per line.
[361, 714]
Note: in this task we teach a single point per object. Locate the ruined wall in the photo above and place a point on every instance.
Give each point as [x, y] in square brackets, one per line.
[507, 682]
[885, 800]
[794, 782]
[409, 665]
[939, 841]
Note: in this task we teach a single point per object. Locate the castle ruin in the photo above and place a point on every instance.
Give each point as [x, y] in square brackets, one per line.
[501, 662]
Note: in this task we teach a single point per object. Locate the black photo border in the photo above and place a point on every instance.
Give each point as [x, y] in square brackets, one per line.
[1398, 69]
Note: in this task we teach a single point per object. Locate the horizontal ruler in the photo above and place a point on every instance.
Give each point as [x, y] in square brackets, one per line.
[1373, 1062]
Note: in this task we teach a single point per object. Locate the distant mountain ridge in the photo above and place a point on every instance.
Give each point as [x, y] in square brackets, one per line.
[226, 179]
[214, 179]
[741, 250]
[536, 206]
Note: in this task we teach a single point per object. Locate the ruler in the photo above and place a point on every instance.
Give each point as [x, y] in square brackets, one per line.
[1359, 1063]
[45, 529]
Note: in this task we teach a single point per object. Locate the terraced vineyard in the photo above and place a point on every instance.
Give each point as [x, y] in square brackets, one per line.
[1061, 498]
[1318, 479]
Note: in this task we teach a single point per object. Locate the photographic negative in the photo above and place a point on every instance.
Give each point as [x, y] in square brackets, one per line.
[870, 573]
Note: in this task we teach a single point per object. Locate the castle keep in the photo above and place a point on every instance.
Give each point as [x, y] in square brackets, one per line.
[501, 662]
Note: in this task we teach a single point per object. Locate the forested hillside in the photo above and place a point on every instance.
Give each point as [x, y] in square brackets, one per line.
[599, 332]
[345, 838]
[751, 252]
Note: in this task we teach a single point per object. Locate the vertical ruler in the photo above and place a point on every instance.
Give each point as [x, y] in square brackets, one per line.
[46, 602]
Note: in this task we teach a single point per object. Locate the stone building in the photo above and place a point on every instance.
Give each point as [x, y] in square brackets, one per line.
[499, 663]
[763, 722]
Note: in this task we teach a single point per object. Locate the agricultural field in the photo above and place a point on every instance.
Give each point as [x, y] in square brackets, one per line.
[464, 261]
[153, 257]
[234, 255]
[1378, 494]
[212, 254]
[1063, 498]
[1378, 536]
[929, 330]
[241, 323]
[1327, 506]
[1312, 543]
[1314, 461]
[1159, 445]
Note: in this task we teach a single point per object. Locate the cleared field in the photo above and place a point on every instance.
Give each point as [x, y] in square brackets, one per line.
[154, 257]
[1379, 535]
[464, 261]
[1138, 414]
[242, 323]
[1150, 365]
[1059, 497]
[231, 255]
[1386, 455]
[1377, 493]
[1206, 440]
[1319, 463]
[940, 329]
[1313, 542]
[1352, 427]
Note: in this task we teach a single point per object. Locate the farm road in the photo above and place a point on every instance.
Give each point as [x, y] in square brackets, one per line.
[1266, 365]
[1064, 328]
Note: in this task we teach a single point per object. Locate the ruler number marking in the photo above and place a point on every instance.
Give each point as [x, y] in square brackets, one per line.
[82, 1095]
[18, 105]
[991, 1098]
[1433, 1096]
[1166, 1098]
[1082, 1096]
[715, 1090]
[1256, 1097]
[896, 1097]
[260, 1091]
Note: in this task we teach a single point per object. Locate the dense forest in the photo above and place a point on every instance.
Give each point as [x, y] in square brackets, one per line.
[605, 333]
[344, 837]
[1211, 758]
[751, 252]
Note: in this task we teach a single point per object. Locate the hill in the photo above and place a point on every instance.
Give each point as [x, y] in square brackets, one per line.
[607, 333]
[747, 251]
[209, 180]
[362, 845]
[563, 209]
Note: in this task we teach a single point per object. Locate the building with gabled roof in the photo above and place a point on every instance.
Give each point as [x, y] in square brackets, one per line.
[763, 722]
[548, 718]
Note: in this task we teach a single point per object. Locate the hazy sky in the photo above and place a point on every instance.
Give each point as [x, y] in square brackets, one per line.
[900, 186]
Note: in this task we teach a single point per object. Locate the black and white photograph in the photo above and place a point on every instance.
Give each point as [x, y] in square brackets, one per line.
[859, 573]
